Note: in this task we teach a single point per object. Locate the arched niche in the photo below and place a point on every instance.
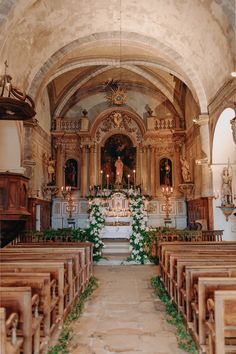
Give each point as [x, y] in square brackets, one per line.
[165, 172]
[71, 173]
[114, 146]
[223, 156]
[223, 144]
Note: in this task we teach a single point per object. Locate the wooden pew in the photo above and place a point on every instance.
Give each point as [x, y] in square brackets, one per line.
[88, 246]
[203, 291]
[163, 246]
[78, 256]
[21, 301]
[69, 264]
[171, 272]
[9, 343]
[192, 273]
[222, 322]
[41, 284]
[170, 258]
[177, 274]
[57, 271]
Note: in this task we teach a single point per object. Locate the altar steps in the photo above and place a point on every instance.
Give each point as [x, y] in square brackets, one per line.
[116, 247]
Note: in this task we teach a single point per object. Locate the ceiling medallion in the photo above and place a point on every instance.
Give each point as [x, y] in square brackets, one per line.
[115, 94]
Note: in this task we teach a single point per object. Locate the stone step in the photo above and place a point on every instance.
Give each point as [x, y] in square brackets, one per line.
[116, 247]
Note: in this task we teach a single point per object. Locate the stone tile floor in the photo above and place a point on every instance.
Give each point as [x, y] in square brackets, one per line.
[124, 316]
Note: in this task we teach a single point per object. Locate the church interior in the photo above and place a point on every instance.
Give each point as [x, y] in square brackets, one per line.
[110, 102]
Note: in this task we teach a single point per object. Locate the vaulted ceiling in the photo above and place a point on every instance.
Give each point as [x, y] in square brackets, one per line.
[158, 49]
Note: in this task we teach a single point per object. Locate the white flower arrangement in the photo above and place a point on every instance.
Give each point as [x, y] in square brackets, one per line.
[138, 236]
[95, 229]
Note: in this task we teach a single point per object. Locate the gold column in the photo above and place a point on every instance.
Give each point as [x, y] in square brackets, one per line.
[152, 171]
[60, 165]
[144, 171]
[138, 165]
[92, 165]
[84, 171]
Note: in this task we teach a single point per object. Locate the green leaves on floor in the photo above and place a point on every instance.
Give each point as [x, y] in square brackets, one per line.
[184, 339]
[67, 333]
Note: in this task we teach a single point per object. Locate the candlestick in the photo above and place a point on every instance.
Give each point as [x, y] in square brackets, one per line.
[107, 181]
[128, 180]
[101, 177]
[134, 171]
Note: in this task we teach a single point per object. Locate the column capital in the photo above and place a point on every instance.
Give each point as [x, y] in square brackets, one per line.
[203, 119]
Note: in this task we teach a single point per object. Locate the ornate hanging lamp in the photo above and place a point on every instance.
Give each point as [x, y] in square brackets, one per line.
[15, 104]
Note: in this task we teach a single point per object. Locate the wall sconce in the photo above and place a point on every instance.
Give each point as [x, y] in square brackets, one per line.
[227, 210]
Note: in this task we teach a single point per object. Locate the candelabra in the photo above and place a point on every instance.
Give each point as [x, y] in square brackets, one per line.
[66, 192]
[167, 192]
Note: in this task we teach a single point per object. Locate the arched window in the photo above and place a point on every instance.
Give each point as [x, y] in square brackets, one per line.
[165, 172]
[71, 173]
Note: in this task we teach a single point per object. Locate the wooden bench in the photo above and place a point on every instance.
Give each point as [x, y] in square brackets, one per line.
[203, 291]
[78, 253]
[57, 272]
[21, 301]
[171, 270]
[86, 246]
[192, 273]
[178, 270]
[41, 284]
[69, 264]
[9, 343]
[221, 324]
[164, 246]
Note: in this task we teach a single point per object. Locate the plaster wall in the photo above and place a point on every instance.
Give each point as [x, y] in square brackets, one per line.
[10, 148]
[43, 111]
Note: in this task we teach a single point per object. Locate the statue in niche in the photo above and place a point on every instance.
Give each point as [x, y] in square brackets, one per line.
[185, 168]
[119, 170]
[166, 172]
[226, 187]
[51, 164]
[71, 173]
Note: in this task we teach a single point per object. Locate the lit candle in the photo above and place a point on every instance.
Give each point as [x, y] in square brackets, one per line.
[107, 181]
[128, 180]
[134, 171]
[101, 177]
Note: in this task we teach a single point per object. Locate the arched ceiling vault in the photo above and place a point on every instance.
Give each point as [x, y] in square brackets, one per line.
[164, 43]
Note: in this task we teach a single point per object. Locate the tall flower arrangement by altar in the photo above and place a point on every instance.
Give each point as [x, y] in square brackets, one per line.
[97, 221]
[139, 235]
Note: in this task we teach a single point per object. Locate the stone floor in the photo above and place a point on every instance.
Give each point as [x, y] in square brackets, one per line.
[123, 315]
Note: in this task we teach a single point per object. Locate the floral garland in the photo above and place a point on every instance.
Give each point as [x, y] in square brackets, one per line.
[139, 235]
[96, 225]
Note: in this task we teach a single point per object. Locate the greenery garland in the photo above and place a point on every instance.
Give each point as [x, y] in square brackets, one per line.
[97, 221]
[67, 333]
[139, 235]
[184, 339]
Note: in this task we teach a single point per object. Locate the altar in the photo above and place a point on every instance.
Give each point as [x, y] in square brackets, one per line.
[117, 217]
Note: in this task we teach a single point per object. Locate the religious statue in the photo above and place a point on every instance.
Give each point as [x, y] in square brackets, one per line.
[119, 171]
[185, 169]
[226, 187]
[51, 169]
[165, 172]
[71, 173]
